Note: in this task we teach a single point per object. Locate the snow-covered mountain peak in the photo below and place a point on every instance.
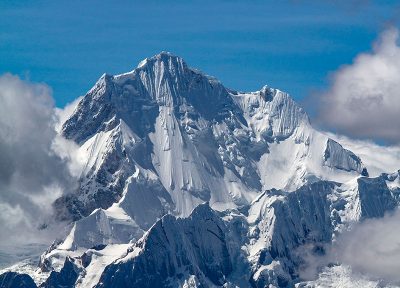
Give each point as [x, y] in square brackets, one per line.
[168, 67]
[272, 113]
[267, 92]
[202, 141]
[167, 58]
[163, 80]
[162, 67]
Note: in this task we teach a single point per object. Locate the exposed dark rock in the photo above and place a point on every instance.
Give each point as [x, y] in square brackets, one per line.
[16, 280]
[66, 278]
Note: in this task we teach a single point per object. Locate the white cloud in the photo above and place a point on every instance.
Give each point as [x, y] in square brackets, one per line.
[32, 174]
[364, 97]
[370, 250]
[67, 149]
[15, 215]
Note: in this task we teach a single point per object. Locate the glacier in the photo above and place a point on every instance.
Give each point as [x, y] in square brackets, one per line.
[186, 183]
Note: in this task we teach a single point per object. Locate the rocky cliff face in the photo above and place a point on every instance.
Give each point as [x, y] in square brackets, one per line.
[175, 251]
[16, 280]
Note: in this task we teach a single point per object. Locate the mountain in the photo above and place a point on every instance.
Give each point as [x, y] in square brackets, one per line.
[187, 183]
[192, 140]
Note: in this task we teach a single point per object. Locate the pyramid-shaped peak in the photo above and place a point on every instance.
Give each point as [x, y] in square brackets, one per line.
[165, 54]
[165, 57]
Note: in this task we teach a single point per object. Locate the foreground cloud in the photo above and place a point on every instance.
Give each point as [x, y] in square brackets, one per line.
[373, 248]
[364, 97]
[32, 174]
[369, 251]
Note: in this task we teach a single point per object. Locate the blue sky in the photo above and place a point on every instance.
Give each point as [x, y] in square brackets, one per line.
[291, 45]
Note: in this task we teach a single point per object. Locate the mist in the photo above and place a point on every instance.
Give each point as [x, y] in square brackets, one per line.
[370, 250]
[32, 172]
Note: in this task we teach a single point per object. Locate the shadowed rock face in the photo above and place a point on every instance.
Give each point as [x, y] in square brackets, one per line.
[375, 197]
[16, 280]
[285, 222]
[65, 278]
[175, 248]
[303, 216]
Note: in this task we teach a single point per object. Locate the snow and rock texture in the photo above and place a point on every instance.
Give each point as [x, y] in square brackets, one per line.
[160, 141]
[255, 246]
[65, 278]
[175, 250]
[281, 223]
[343, 277]
[191, 140]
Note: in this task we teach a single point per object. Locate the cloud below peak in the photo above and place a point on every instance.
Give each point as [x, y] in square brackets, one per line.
[363, 99]
[32, 174]
[367, 255]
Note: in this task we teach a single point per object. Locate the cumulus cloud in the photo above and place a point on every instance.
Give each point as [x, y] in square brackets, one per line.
[369, 250]
[372, 248]
[364, 97]
[66, 149]
[32, 174]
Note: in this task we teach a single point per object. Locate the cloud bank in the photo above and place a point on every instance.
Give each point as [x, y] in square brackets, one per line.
[370, 250]
[373, 248]
[32, 174]
[364, 97]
